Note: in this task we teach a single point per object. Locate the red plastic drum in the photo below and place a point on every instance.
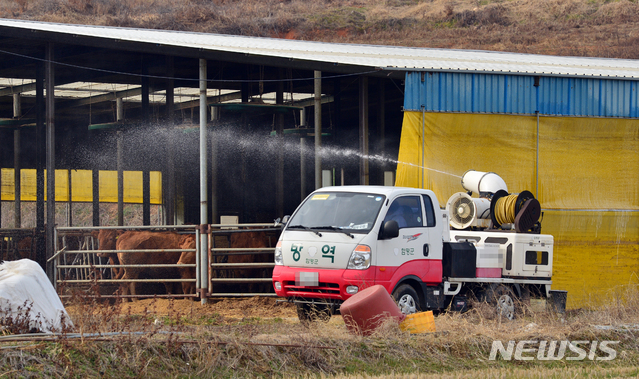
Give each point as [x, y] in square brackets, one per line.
[366, 310]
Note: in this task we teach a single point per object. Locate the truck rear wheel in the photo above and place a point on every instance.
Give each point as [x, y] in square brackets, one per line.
[407, 299]
[314, 312]
[504, 300]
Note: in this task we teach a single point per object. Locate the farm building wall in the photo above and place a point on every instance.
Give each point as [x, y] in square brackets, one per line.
[82, 186]
[575, 146]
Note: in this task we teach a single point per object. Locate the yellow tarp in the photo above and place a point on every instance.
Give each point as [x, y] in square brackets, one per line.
[594, 253]
[587, 167]
[82, 185]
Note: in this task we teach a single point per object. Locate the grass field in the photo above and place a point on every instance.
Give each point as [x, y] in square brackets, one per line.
[259, 338]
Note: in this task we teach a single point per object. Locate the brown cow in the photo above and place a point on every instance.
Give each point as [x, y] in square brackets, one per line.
[107, 239]
[187, 257]
[151, 241]
[248, 240]
[24, 248]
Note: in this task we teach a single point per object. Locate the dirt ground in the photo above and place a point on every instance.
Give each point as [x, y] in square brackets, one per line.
[262, 307]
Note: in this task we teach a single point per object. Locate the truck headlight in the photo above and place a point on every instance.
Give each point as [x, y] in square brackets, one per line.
[360, 258]
[279, 259]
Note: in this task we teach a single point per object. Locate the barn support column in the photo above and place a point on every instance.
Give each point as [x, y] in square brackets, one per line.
[302, 156]
[215, 118]
[145, 92]
[202, 286]
[146, 197]
[119, 106]
[318, 128]
[41, 248]
[279, 131]
[168, 180]
[337, 119]
[244, 89]
[16, 163]
[50, 125]
[363, 131]
[17, 186]
[146, 116]
[381, 120]
[119, 153]
[69, 197]
[96, 196]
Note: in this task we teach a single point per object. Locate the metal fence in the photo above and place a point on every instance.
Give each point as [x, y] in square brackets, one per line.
[77, 266]
[18, 244]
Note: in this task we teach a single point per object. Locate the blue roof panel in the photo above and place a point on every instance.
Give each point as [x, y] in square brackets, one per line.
[517, 94]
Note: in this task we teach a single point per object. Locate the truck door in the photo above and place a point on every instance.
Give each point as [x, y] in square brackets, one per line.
[412, 251]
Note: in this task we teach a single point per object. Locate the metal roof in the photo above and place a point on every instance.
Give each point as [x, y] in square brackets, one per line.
[509, 94]
[355, 56]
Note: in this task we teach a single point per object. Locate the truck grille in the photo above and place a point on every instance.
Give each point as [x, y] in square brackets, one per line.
[326, 288]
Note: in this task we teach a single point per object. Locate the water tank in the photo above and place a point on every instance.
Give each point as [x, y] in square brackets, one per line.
[483, 183]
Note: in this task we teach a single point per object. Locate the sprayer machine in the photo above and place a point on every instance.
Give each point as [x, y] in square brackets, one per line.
[341, 240]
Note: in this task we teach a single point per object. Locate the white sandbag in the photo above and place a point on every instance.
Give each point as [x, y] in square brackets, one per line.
[24, 282]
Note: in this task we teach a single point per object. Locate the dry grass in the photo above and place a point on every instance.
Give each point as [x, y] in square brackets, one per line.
[234, 338]
[561, 27]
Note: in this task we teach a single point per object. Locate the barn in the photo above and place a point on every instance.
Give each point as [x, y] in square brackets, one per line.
[204, 126]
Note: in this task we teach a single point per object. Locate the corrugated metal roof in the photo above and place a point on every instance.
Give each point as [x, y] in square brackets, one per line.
[366, 56]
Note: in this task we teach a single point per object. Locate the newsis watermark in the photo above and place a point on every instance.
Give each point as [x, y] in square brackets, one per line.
[529, 350]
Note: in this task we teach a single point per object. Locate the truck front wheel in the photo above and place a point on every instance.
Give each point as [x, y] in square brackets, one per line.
[407, 299]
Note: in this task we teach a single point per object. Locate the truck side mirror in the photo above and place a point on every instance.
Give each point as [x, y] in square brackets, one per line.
[390, 230]
[285, 220]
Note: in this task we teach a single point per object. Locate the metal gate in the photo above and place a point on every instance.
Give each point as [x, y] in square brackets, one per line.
[77, 266]
[250, 276]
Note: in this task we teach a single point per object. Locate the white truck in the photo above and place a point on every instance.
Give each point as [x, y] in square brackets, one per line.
[343, 239]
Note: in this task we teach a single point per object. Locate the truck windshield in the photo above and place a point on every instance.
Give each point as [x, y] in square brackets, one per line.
[338, 211]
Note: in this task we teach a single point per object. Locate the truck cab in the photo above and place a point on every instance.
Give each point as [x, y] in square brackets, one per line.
[341, 240]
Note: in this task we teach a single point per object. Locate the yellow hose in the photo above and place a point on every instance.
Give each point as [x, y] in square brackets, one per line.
[505, 209]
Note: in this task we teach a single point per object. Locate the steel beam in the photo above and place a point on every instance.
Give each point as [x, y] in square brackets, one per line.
[204, 272]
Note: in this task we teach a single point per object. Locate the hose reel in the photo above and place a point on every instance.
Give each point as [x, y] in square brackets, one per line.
[521, 209]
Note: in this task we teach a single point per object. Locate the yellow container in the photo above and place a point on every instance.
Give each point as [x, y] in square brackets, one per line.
[422, 322]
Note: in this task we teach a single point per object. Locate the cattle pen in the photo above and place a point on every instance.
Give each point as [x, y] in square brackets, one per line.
[239, 262]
